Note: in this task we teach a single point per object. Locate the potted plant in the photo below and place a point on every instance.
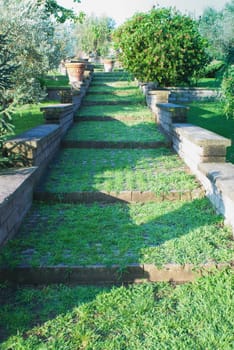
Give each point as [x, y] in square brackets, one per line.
[75, 71]
[108, 64]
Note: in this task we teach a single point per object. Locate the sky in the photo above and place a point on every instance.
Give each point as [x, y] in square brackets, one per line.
[120, 10]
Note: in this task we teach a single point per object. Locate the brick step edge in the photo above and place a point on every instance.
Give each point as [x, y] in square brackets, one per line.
[114, 144]
[116, 197]
[112, 275]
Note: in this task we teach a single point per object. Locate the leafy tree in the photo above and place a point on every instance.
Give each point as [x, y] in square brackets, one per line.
[37, 49]
[161, 45]
[7, 69]
[60, 13]
[218, 28]
[94, 35]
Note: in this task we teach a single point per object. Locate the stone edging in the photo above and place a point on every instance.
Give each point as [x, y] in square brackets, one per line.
[114, 144]
[103, 275]
[113, 197]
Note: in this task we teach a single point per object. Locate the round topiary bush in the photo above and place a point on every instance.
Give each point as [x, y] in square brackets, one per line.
[161, 45]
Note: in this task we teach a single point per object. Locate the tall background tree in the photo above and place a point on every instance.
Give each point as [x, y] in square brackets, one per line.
[218, 27]
[94, 35]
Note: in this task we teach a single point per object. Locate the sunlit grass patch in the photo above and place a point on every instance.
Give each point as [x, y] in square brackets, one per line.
[136, 111]
[115, 131]
[139, 317]
[156, 170]
[28, 116]
[160, 233]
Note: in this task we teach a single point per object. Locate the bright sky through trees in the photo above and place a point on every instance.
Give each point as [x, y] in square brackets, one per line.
[122, 9]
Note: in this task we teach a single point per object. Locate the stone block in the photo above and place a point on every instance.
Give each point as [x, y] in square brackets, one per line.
[16, 193]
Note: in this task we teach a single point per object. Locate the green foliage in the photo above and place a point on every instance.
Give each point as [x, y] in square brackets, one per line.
[94, 35]
[217, 27]
[60, 13]
[228, 92]
[7, 69]
[214, 68]
[162, 46]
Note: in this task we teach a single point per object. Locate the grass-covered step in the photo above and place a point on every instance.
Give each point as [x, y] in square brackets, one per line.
[139, 317]
[134, 111]
[122, 133]
[157, 170]
[104, 99]
[61, 235]
[109, 89]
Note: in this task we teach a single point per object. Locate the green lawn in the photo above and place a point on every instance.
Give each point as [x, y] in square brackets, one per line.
[115, 131]
[209, 115]
[56, 81]
[156, 170]
[158, 316]
[28, 116]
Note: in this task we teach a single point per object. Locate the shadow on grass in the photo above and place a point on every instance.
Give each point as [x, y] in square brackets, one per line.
[127, 231]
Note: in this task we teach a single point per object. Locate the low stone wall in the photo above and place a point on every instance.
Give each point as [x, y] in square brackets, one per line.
[61, 114]
[205, 154]
[178, 95]
[16, 193]
[218, 180]
[36, 146]
[169, 113]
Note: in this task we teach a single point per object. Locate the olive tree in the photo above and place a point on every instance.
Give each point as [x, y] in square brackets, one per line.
[161, 45]
[31, 39]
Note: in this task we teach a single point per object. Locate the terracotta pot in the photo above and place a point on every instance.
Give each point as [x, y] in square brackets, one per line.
[108, 65]
[75, 71]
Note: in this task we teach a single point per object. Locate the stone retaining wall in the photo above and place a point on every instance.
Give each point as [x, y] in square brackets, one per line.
[178, 95]
[205, 154]
[61, 114]
[16, 195]
[36, 148]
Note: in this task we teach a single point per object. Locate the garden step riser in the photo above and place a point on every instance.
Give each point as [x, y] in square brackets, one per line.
[114, 145]
[114, 197]
[102, 275]
[106, 118]
[108, 103]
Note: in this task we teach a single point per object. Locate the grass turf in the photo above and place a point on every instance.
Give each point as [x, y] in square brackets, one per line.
[138, 111]
[156, 170]
[170, 232]
[209, 115]
[115, 131]
[158, 316]
[29, 116]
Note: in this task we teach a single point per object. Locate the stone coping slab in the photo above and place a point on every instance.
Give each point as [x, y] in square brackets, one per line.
[172, 107]
[112, 275]
[200, 136]
[113, 197]
[113, 144]
[34, 136]
[222, 174]
[57, 107]
[11, 180]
